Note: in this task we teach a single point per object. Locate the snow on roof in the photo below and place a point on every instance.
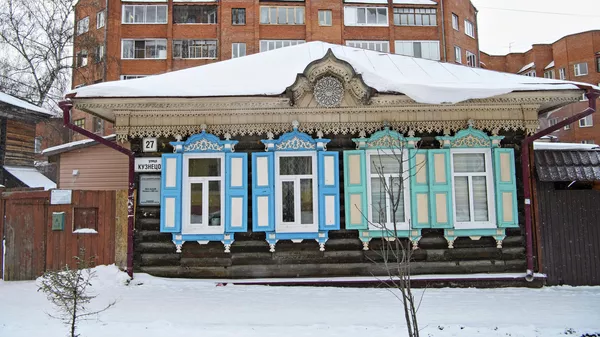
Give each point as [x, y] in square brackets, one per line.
[550, 65]
[270, 73]
[67, 146]
[415, 2]
[527, 67]
[8, 99]
[564, 146]
[30, 177]
[366, 1]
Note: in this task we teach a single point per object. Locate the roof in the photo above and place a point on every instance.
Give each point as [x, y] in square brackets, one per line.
[563, 146]
[527, 67]
[30, 177]
[11, 100]
[568, 165]
[550, 65]
[397, 2]
[73, 146]
[271, 73]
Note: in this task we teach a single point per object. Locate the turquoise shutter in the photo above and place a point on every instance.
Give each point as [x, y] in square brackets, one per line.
[440, 188]
[170, 193]
[419, 189]
[355, 189]
[263, 188]
[329, 191]
[506, 188]
[236, 192]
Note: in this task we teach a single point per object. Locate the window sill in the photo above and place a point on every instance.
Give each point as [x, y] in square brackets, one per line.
[474, 225]
[586, 126]
[399, 25]
[143, 23]
[135, 59]
[195, 58]
[367, 25]
[85, 231]
[283, 24]
[193, 23]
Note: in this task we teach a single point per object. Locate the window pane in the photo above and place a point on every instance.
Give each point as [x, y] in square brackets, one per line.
[290, 15]
[469, 162]
[385, 164]
[322, 17]
[138, 13]
[378, 201]
[264, 15]
[461, 193]
[480, 202]
[127, 49]
[371, 15]
[128, 14]
[306, 201]
[196, 203]
[287, 201]
[361, 16]
[381, 16]
[205, 167]
[151, 14]
[397, 199]
[161, 14]
[242, 51]
[214, 203]
[295, 165]
[282, 17]
[273, 15]
[417, 49]
[151, 49]
[140, 49]
[300, 15]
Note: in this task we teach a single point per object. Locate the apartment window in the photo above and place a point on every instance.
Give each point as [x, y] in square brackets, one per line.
[79, 123]
[552, 121]
[457, 54]
[366, 16]
[82, 58]
[98, 125]
[423, 49]
[100, 18]
[549, 74]
[415, 16]
[83, 25]
[144, 49]
[471, 59]
[195, 14]
[145, 14]
[238, 50]
[238, 16]
[568, 126]
[469, 29]
[99, 54]
[382, 46]
[598, 64]
[266, 45]
[562, 73]
[581, 69]
[325, 17]
[132, 77]
[195, 49]
[37, 144]
[455, 22]
[281, 15]
[588, 142]
[530, 73]
[586, 122]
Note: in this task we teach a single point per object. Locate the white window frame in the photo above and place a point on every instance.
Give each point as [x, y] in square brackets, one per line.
[568, 126]
[145, 58]
[235, 46]
[351, 16]
[421, 13]
[455, 22]
[275, 21]
[214, 19]
[123, 21]
[530, 73]
[175, 42]
[83, 25]
[588, 141]
[327, 14]
[469, 28]
[131, 77]
[81, 60]
[99, 53]
[283, 43]
[549, 74]
[296, 226]
[186, 226]
[405, 176]
[398, 48]
[491, 199]
[37, 144]
[578, 71]
[380, 46]
[471, 59]
[562, 73]
[457, 54]
[100, 19]
[586, 122]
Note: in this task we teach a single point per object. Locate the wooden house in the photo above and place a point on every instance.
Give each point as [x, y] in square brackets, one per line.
[272, 165]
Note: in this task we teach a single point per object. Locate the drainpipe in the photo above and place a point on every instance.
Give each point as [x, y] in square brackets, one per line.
[444, 31]
[66, 107]
[591, 95]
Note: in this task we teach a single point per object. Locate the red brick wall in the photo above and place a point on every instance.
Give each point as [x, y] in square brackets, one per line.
[465, 11]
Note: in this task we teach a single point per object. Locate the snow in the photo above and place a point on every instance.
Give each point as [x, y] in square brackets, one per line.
[22, 104]
[550, 65]
[415, 2]
[153, 307]
[85, 231]
[270, 73]
[564, 146]
[30, 177]
[366, 1]
[526, 67]
[72, 144]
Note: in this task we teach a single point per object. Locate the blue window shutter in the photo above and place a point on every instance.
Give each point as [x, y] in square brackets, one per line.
[419, 189]
[170, 193]
[440, 188]
[506, 188]
[263, 188]
[236, 192]
[329, 190]
[355, 189]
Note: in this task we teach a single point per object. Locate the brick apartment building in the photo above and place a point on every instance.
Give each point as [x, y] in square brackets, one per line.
[574, 57]
[125, 39]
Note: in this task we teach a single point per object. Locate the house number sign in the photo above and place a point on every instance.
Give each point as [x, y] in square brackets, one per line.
[149, 144]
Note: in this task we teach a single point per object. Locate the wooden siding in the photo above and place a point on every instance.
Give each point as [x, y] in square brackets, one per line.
[100, 168]
[20, 138]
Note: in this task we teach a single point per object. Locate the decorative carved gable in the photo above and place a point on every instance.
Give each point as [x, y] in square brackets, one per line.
[329, 83]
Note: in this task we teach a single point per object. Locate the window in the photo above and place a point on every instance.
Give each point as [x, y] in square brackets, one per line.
[473, 188]
[423, 49]
[80, 123]
[83, 25]
[100, 18]
[147, 14]
[325, 17]
[365, 16]
[562, 73]
[203, 193]
[144, 49]
[99, 54]
[238, 16]
[266, 45]
[552, 121]
[588, 142]
[530, 73]
[471, 59]
[586, 122]
[195, 14]
[195, 49]
[238, 50]
[82, 58]
[469, 29]
[568, 126]
[581, 69]
[37, 144]
[387, 186]
[382, 46]
[98, 125]
[415, 17]
[132, 77]
[455, 22]
[598, 64]
[549, 74]
[457, 54]
[281, 15]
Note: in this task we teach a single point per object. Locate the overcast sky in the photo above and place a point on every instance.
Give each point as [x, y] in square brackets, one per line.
[520, 24]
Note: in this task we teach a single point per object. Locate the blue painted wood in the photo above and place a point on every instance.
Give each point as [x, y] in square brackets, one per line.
[332, 189]
[295, 141]
[263, 191]
[171, 192]
[469, 138]
[355, 189]
[236, 192]
[441, 187]
[417, 188]
[204, 143]
[505, 187]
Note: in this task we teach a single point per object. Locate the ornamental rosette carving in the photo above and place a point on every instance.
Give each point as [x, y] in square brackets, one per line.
[329, 92]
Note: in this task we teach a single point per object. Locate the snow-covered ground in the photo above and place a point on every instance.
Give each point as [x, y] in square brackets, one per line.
[152, 306]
